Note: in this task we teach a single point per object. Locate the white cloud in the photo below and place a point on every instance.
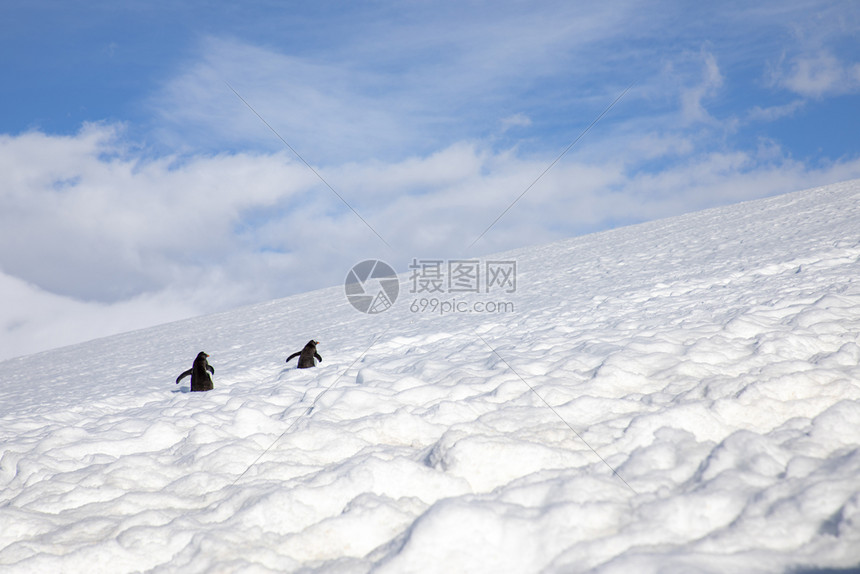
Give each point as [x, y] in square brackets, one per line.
[692, 108]
[819, 75]
[95, 238]
[113, 221]
[32, 319]
[397, 89]
[312, 105]
[773, 113]
[652, 146]
[515, 121]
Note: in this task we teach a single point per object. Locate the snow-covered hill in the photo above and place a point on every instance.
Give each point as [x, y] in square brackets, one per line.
[677, 396]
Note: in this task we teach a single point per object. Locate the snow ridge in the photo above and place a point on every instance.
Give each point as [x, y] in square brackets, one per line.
[680, 395]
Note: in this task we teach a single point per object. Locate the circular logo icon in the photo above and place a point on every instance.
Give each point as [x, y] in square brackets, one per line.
[372, 286]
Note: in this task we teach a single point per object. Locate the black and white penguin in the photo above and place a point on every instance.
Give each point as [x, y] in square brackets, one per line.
[201, 380]
[306, 355]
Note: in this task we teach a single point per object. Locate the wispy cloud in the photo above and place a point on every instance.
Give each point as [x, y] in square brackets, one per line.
[413, 83]
[515, 121]
[692, 106]
[772, 113]
[819, 75]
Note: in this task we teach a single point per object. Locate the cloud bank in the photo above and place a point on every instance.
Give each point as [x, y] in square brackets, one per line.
[108, 241]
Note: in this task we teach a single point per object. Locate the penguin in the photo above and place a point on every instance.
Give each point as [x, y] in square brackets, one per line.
[201, 380]
[306, 355]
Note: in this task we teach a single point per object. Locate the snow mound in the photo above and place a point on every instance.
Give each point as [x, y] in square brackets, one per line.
[677, 396]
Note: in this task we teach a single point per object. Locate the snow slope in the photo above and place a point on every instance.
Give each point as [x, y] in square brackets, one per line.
[677, 396]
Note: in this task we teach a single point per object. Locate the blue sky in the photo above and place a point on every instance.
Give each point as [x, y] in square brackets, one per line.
[137, 188]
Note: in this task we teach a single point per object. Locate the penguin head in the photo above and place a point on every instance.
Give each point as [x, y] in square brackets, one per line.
[312, 343]
[202, 355]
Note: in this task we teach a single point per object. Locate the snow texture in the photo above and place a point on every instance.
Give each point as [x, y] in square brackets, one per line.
[677, 396]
